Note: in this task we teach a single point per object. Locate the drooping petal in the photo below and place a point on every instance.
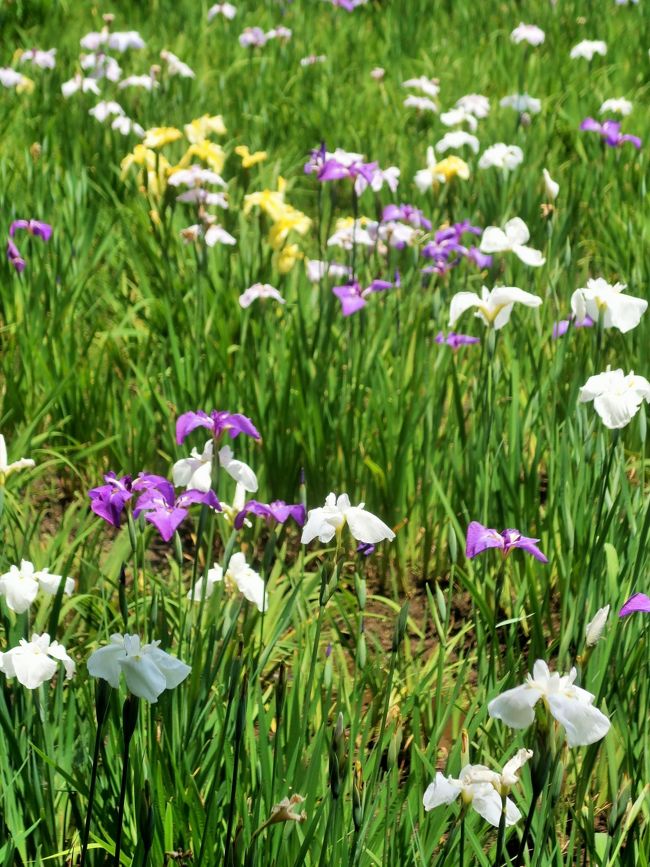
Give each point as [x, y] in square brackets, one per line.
[529, 256]
[31, 668]
[443, 790]
[366, 527]
[494, 240]
[142, 676]
[103, 662]
[515, 706]
[460, 303]
[480, 538]
[172, 669]
[635, 604]
[584, 723]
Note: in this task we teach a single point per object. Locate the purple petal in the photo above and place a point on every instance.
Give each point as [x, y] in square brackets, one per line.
[189, 421]
[352, 305]
[234, 423]
[591, 125]
[13, 254]
[380, 286]
[526, 544]
[635, 604]
[207, 498]
[633, 139]
[333, 170]
[155, 484]
[166, 521]
[480, 538]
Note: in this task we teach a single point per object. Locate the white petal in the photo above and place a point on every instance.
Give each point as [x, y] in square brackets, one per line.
[104, 662]
[515, 706]
[460, 303]
[600, 383]
[626, 312]
[366, 527]
[173, 670]
[58, 652]
[443, 790]
[516, 232]
[487, 803]
[584, 724]
[30, 666]
[512, 294]
[142, 676]
[617, 410]
[503, 316]
[494, 240]
[238, 470]
[529, 256]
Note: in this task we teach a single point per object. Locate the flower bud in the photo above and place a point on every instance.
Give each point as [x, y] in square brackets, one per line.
[146, 823]
[327, 674]
[361, 649]
[357, 796]
[596, 626]
[360, 588]
[129, 718]
[452, 543]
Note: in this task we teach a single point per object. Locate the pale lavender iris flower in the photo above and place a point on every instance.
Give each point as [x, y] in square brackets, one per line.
[447, 249]
[218, 422]
[639, 603]
[34, 227]
[610, 131]
[406, 214]
[480, 538]
[14, 256]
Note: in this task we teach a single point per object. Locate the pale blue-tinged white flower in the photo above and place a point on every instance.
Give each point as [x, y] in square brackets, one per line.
[240, 577]
[511, 239]
[34, 662]
[474, 103]
[493, 306]
[6, 468]
[522, 102]
[85, 85]
[501, 156]
[105, 109]
[329, 520]
[257, 291]
[596, 626]
[126, 126]
[617, 398]
[570, 705]
[20, 585]
[620, 106]
[457, 116]
[195, 472]
[588, 48]
[101, 66]
[551, 187]
[530, 33]
[421, 103]
[175, 65]
[456, 140]
[40, 58]
[148, 670]
[428, 86]
[226, 9]
[618, 310]
[146, 82]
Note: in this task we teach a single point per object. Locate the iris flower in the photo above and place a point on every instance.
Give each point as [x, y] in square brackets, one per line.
[480, 538]
[456, 340]
[570, 705]
[6, 468]
[109, 500]
[474, 103]
[610, 132]
[257, 291]
[239, 577]
[20, 585]
[617, 398]
[195, 472]
[619, 310]
[327, 521]
[512, 238]
[529, 33]
[501, 156]
[353, 298]
[167, 512]
[148, 670]
[226, 9]
[35, 662]
[218, 421]
[277, 511]
[494, 306]
[587, 48]
[620, 106]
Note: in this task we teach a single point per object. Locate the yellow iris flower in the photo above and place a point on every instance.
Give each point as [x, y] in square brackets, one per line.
[208, 151]
[285, 259]
[156, 165]
[449, 168]
[200, 128]
[158, 136]
[247, 158]
[25, 85]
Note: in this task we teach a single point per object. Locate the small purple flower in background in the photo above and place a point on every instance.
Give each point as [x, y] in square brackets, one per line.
[610, 131]
[353, 297]
[253, 37]
[167, 512]
[456, 340]
[406, 214]
[560, 328]
[277, 511]
[480, 538]
[108, 501]
[15, 259]
[366, 549]
[218, 422]
[34, 227]
[635, 604]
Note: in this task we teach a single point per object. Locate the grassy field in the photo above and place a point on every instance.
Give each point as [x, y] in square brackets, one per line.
[366, 674]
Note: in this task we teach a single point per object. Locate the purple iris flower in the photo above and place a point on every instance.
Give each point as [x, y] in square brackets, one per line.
[218, 421]
[610, 130]
[333, 170]
[13, 254]
[480, 538]
[406, 214]
[447, 249]
[108, 501]
[34, 227]
[637, 603]
[456, 340]
[167, 512]
[277, 511]
[365, 549]
[353, 297]
[560, 328]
